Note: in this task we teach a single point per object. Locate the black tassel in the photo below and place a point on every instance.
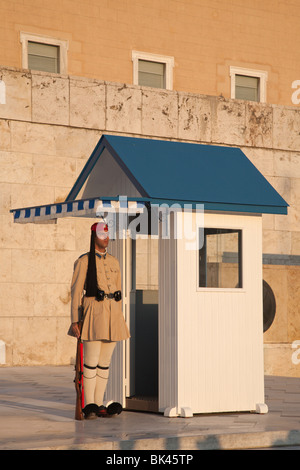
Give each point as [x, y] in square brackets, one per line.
[91, 284]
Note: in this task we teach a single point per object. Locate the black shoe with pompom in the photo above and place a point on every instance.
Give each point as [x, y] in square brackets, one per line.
[90, 411]
[114, 408]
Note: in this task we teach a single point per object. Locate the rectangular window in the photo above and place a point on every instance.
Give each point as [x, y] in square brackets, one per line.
[44, 53]
[220, 258]
[247, 88]
[44, 57]
[153, 70]
[248, 84]
[152, 74]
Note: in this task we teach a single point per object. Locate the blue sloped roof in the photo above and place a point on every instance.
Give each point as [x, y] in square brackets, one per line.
[221, 178]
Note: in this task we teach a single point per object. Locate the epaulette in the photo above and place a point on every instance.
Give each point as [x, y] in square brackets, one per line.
[83, 255]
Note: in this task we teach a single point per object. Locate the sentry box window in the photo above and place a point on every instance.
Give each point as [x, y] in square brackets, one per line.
[220, 258]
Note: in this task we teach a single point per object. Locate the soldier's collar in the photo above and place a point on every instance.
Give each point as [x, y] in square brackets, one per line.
[101, 254]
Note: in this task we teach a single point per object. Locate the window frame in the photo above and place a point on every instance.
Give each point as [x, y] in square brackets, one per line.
[260, 74]
[149, 57]
[63, 46]
[240, 264]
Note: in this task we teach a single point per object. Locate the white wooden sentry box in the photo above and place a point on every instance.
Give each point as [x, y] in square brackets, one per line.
[210, 320]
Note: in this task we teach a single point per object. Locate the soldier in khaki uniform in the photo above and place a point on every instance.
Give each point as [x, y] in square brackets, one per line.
[96, 295]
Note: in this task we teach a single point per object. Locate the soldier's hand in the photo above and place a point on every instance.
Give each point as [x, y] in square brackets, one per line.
[75, 330]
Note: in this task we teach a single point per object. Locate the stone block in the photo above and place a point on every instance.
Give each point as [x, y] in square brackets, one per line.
[124, 108]
[15, 167]
[61, 193]
[15, 236]
[159, 113]
[277, 241]
[7, 329]
[5, 133]
[5, 265]
[58, 237]
[142, 274]
[5, 198]
[23, 195]
[286, 125]
[268, 221]
[290, 222]
[194, 117]
[64, 266]
[287, 164]
[293, 294]
[17, 95]
[283, 186]
[228, 121]
[295, 237]
[262, 159]
[295, 191]
[48, 170]
[17, 300]
[87, 103]
[34, 266]
[32, 138]
[278, 360]
[73, 142]
[259, 125]
[51, 300]
[50, 99]
[35, 341]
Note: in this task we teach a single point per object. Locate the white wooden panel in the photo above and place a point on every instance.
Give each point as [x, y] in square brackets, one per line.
[115, 389]
[220, 331]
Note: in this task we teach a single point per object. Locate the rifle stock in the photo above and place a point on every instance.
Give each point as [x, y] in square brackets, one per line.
[78, 379]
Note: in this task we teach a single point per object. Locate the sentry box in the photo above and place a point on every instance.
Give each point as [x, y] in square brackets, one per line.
[185, 222]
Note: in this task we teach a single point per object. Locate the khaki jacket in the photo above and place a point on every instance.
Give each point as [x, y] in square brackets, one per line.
[102, 320]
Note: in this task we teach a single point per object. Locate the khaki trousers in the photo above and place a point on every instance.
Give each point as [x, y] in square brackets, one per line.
[97, 356]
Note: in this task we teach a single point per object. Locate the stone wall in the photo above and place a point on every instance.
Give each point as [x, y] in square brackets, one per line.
[49, 125]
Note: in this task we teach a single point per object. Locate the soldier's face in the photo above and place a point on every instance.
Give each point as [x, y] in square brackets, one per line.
[101, 241]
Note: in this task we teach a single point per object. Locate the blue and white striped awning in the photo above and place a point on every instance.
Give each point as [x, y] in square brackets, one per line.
[95, 207]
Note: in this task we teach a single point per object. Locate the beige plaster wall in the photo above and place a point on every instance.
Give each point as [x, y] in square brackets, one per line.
[49, 126]
[205, 38]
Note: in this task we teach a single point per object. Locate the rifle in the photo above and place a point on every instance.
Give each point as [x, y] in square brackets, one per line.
[79, 378]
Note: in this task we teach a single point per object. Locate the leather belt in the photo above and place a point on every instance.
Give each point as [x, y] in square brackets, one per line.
[101, 295]
[109, 296]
